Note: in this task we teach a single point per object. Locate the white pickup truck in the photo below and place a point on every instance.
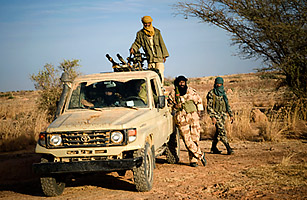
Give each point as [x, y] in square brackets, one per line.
[114, 121]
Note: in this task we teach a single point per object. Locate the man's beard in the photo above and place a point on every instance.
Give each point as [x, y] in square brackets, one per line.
[183, 90]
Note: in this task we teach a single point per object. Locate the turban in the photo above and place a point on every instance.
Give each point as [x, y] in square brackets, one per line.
[219, 80]
[178, 79]
[146, 19]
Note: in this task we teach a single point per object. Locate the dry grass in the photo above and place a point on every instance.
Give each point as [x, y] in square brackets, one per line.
[277, 117]
[285, 174]
[278, 179]
[20, 122]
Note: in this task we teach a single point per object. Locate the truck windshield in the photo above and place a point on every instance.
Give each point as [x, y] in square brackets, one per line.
[103, 94]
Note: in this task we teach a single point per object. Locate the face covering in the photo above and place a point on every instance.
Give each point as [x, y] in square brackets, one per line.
[149, 30]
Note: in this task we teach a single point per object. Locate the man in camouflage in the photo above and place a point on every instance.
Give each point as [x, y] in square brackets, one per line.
[187, 105]
[217, 108]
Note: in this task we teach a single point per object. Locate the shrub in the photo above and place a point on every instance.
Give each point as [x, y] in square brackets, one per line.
[49, 84]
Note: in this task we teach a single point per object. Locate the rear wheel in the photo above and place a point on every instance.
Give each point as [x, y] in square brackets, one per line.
[52, 186]
[143, 175]
[173, 147]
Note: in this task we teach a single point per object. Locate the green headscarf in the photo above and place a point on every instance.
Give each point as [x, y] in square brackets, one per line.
[220, 91]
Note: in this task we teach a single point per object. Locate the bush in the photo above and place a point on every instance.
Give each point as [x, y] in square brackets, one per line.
[49, 84]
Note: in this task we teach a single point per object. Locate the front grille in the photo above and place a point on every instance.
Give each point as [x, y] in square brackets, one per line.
[87, 139]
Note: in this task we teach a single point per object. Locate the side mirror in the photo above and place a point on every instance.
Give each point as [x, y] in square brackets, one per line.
[161, 101]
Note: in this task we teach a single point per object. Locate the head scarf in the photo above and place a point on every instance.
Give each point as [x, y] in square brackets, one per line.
[150, 31]
[182, 91]
[220, 91]
[219, 80]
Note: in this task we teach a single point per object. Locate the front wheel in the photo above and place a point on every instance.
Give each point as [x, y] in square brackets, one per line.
[143, 175]
[52, 186]
[173, 147]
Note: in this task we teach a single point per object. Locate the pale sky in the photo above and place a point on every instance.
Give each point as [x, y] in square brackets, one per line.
[36, 32]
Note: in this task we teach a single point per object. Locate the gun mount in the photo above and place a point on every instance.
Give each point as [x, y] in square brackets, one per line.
[135, 62]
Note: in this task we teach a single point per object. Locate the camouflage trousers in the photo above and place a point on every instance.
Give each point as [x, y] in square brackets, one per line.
[190, 132]
[220, 133]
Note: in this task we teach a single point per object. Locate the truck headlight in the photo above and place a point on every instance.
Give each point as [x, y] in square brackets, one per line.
[55, 140]
[117, 137]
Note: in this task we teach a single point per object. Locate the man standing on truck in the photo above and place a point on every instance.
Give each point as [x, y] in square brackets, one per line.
[217, 108]
[187, 105]
[151, 41]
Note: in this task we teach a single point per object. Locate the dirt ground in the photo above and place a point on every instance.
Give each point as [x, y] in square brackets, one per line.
[225, 176]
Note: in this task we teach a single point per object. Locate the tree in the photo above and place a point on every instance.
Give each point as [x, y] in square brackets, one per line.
[47, 81]
[272, 30]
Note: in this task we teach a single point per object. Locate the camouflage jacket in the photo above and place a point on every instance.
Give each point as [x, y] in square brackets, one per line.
[160, 50]
[216, 105]
[191, 95]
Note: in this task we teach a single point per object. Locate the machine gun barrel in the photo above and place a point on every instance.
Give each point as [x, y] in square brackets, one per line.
[111, 60]
[121, 59]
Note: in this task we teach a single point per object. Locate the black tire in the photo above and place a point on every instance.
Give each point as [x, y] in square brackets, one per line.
[52, 186]
[143, 175]
[172, 151]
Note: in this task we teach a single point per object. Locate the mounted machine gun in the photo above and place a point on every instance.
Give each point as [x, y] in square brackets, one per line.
[134, 62]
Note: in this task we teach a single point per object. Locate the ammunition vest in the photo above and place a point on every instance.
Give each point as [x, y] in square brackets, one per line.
[189, 106]
[219, 104]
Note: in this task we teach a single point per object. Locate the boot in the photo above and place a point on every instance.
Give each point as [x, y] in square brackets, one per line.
[203, 160]
[229, 149]
[193, 164]
[214, 149]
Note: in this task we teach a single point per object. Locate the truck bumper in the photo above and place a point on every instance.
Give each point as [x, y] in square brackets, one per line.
[50, 168]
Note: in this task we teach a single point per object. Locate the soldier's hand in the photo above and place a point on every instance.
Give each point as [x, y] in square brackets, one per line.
[131, 51]
[213, 120]
[177, 105]
[86, 103]
[164, 59]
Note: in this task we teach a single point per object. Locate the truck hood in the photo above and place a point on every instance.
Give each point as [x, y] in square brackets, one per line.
[98, 120]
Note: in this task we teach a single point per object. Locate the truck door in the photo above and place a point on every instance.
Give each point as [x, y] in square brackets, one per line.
[163, 116]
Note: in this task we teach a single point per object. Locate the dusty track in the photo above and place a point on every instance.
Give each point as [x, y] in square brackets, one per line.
[223, 177]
